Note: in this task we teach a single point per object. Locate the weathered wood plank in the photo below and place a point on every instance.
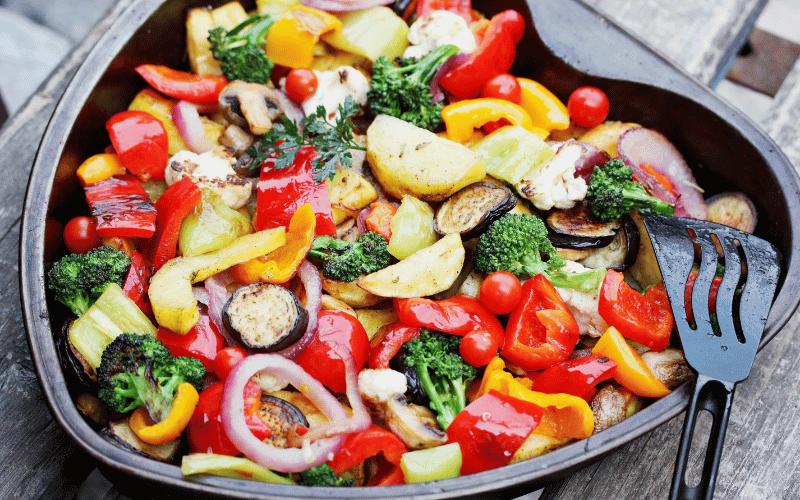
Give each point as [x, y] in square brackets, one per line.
[36, 451]
[702, 36]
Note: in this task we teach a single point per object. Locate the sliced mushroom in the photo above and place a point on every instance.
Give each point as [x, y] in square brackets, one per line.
[608, 407]
[236, 138]
[282, 417]
[415, 425]
[121, 434]
[250, 105]
[669, 366]
[265, 317]
[470, 211]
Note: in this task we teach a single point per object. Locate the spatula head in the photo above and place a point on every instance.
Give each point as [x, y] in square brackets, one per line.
[721, 342]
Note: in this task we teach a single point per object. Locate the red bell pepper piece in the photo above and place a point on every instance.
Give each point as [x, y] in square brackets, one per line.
[138, 282]
[461, 7]
[577, 376]
[646, 319]
[397, 334]
[365, 444]
[458, 315]
[202, 342]
[200, 89]
[172, 207]
[712, 295]
[541, 331]
[205, 430]
[491, 429]
[282, 191]
[141, 143]
[121, 207]
[494, 55]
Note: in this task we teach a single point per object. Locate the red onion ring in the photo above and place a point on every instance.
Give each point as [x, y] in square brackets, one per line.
[201, 294]
[436, 90]
[218, 296]
[291, 109]
[187, 121]
[278, 459]
[309, 276]
[361, 220]
[344, 5]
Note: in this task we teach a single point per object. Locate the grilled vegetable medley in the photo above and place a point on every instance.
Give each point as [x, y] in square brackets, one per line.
[346, 246]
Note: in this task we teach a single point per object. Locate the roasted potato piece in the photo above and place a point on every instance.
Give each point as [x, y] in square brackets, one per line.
[350, 293]
[645, 270]
[373, 320]
[349, 193]
[198, 24]
[537, 444]
[333, 304]
[425, 272]
[606, 135]
[410, 160]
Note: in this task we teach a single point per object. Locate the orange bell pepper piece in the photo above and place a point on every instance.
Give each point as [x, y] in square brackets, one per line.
[380, 219]
[98, 168]
[462, 117]
[545, 109]
[169, 429]
[291, 40]
[280, 265]
[631, 372]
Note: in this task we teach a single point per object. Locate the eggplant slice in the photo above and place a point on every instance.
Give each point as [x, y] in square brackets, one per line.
[470, 211]
[265, 317]
[282, 417]
[578, 228]
[121, 434]
[621, 253]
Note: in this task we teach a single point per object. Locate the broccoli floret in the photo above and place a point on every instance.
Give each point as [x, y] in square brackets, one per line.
[137, 370]
[79, 279]
[243, 61]
[404, 92]
[323, 475]
[516, 243]
[443, 373]
[346, 261]
[612, 193]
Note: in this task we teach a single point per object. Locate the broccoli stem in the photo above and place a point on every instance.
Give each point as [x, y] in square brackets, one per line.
[447, 397]
[254, 35]
[424, 69]
[634, 196]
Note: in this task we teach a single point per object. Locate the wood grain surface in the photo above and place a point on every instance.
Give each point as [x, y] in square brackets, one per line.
[760, 457]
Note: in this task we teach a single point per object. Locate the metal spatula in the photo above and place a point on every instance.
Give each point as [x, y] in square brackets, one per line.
[721, 350]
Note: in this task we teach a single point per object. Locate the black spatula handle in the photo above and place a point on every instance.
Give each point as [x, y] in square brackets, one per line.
[715, 396]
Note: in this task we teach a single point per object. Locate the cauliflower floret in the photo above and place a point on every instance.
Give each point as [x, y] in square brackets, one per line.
[211, 170]
[269, 383]
[583, 305]
[437, 28]
[333, 88]
[554, 184]
[379, 385]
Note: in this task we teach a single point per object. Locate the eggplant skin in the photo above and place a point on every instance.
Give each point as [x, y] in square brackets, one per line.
[471, 210]
[281, 416]
[578, 228]
[264, 317]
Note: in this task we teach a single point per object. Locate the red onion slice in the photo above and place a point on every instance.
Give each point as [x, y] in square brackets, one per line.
[640, 146]
[361, 220]
[436, 90]
[187, 121]
[201, 294]
[278, 459]
[218, 296]
[309, 276]
[589, 159]
[344, 5]
[291, 109]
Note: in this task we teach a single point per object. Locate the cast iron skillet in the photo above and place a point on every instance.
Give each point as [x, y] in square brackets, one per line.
[566, 45]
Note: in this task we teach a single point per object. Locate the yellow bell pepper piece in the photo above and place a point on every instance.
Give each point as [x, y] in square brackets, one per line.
[99, 168]
[280, 265]
[565, 416]
[291, 40]
[462, 117]
[631, 371]
[545, 109]
[170, 428]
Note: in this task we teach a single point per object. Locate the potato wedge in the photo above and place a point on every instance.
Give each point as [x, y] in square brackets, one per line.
[349, 193]
[201, 61]
[606, 135]
[425, 272]
[333, 304]
[374, 320]
[537, 444]
[410, 160]
[170, 291]
[350, 293]
[229, 15]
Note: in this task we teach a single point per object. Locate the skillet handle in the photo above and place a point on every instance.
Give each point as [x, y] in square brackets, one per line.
[715, 396]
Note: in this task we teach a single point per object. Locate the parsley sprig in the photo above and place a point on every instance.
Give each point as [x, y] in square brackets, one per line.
[331, 140]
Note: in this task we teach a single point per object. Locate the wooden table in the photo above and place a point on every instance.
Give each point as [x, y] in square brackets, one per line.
[760, 456]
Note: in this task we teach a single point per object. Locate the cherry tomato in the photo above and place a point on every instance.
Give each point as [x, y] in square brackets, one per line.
[226, 359]
[80, 235]
[588, 106]
[301, 84]
[503, 86]
[478, 348]
[320, 360]
[500, 292]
